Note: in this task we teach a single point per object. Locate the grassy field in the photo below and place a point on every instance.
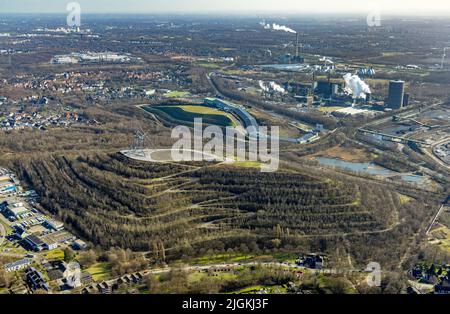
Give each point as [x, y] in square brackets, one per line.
[12, 248]
[404, 199]
[177, 94]
[187, 114]
[208, 111]
[244, 258]
[8, 229]
[350, 154]
[209, 65]
[247, 164]
[99, 271]
[286, 257]
[199, 276]
[238, 72]
[55, 255]
[255, 290]
[223, 258]
[442, 237]
[250, 290]
[330, 109]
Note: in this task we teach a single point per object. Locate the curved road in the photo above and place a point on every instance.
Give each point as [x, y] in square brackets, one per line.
[434, 157]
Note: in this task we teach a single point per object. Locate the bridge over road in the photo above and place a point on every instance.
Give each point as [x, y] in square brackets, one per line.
[395, 138]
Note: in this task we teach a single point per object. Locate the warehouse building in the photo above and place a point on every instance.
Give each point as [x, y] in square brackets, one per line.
[55, 225]
[16, 210]
[35, 243]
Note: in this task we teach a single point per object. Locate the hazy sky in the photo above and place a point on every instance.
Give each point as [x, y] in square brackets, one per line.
[243, 6]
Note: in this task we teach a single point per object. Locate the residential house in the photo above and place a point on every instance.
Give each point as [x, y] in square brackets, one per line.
[18, 265]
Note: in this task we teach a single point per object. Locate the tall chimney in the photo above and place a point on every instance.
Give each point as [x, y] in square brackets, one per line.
[297, 52]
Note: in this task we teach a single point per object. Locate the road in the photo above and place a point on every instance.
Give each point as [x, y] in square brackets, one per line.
[434, 157]
[2, 234]
[404, 115]
[208, 76]
[441, 210]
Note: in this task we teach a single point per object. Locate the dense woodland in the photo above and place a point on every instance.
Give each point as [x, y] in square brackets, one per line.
[182, 210]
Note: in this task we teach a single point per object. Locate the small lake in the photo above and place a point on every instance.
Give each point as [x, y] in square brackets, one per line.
[285, 67]
[368, 168]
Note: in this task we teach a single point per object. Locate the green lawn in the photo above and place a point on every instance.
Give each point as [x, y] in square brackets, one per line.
[8, 229]
[99, 271]
[330, 109]
[250, 290]
[177, 94]
[55, 255]
[179, 115]
[220, 276]
[286, 257]
[12, 248]
[223, 258]
[209, 65]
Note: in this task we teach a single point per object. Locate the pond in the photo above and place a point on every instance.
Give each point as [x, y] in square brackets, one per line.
[367, 168]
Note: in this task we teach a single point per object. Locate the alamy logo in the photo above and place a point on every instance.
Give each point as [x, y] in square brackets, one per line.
[237, 144]
[74, 16]
[374, 17]
[374, 277]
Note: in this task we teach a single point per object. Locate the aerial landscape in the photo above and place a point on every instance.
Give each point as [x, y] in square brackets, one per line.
[252, 153]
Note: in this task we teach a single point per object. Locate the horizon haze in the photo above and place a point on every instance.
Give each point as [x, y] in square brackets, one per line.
[401, 7]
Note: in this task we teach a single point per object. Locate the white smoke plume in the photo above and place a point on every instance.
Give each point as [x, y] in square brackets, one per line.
[272, 87]
[263, 87]
[355, 86]
[283, 28]
[277, 27]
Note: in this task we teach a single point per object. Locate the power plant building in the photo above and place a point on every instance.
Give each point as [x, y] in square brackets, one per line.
[326, 89]
[406, 97]
[396, 94]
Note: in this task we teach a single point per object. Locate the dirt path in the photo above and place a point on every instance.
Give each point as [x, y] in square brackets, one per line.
[2, 234]
[440, 211]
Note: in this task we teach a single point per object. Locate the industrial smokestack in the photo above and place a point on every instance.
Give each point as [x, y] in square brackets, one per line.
[297, 52]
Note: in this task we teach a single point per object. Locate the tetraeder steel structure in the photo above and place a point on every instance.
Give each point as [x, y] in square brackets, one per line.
[139, 139]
